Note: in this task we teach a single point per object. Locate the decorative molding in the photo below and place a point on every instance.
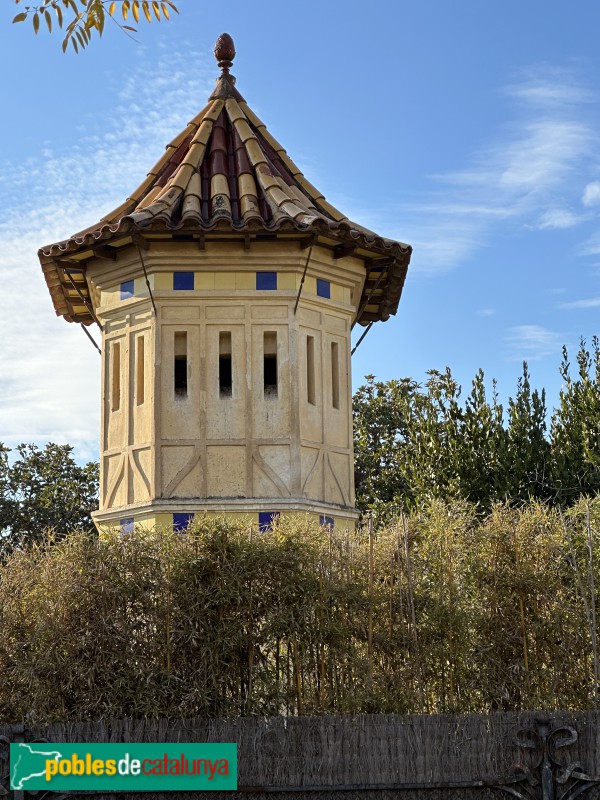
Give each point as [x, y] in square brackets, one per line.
[184, 471]
[270, 473]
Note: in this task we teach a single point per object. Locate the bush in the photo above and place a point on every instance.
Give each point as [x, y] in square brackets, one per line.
[442, 611]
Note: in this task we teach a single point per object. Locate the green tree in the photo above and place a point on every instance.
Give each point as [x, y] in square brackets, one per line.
[478, 445]
[382, 436]
[44, 490]
[434, 439]
[527, 467]
[416, 444]
[575, 429]
[81, 19]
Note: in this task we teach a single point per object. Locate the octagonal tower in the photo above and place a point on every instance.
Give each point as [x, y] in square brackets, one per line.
[225, 288]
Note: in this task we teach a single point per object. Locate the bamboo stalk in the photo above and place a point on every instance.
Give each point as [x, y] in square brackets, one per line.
[296, 668]
[592, 600]
[370, 622]
[411, 603]
[588, 614]
[524, 641]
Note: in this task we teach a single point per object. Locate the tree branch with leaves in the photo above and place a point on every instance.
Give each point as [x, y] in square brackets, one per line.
[80, 20]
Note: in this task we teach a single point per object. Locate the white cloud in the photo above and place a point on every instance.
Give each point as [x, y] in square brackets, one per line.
[591, 246]
[590, 302]
[591, 194]
[531, 342]
[49, 371]
[548, 87]
[558, 218]
[485, 312]
[523, 176]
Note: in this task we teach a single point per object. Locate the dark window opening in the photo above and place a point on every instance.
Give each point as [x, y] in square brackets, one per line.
[323, 288]
[266, 520]
[326, 522]
[270, 369]
[181, 522]
[181, 376]
[180, 373]
[266, 280]
[225, 365]
[225, 376]
[270, 364]
[183, 281]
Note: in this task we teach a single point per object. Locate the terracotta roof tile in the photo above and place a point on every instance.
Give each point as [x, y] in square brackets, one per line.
[225, 168]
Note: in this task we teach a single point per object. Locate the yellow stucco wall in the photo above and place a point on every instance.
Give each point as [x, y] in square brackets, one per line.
[247, 449]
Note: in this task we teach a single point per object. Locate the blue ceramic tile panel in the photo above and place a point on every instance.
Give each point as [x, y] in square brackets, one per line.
[265, 520]
[181, 522]
[126, 290]
[323, 288]
[266, 280]
[183, 280]
[126, 525]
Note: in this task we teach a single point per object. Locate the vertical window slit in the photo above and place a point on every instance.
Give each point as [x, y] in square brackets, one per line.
[310, 369]
[181, 365]
[335, 375]
[270, 364]
[140, 370]
[225, 370]
[116, 376]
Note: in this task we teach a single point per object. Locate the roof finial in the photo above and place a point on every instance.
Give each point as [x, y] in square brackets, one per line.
[225, 52]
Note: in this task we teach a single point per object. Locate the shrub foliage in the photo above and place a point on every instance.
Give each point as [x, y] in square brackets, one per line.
[442, 611]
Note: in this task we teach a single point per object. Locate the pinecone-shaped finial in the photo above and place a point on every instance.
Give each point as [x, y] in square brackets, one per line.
[225, 52]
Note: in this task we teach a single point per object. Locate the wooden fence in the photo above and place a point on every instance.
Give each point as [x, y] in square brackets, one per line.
[377, 756]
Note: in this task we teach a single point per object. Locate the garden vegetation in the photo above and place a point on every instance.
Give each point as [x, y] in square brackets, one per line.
[442, 611]
[471, 585]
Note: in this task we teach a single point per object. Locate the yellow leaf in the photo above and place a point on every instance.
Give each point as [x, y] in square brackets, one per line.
[156, 9]
[20, 17]
[111, 8]
[125, 8]
[146, 9]
[165, 10]
[136, 10]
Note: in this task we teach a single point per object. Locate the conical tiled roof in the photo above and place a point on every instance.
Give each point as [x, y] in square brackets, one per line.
[225, 172]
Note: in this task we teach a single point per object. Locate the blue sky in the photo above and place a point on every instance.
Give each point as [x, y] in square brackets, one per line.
[469, 129]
